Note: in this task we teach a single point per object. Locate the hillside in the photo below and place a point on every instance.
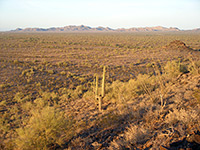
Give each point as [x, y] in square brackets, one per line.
[141, 124]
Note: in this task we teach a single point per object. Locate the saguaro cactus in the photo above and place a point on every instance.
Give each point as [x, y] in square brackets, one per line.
[97, 86]
[103, 81]
[100, 97]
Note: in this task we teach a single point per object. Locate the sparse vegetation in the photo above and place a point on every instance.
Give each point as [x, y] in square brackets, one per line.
[150, 97]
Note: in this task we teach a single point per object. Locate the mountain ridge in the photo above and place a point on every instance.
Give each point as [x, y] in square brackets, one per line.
[83, 28]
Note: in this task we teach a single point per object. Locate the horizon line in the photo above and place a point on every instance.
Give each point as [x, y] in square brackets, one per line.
[100, 26]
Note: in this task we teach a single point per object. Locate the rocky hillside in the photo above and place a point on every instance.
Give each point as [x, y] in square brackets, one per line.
[177, 45]
[141, 124]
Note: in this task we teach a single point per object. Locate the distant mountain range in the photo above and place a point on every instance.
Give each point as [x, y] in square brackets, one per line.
[81, 28]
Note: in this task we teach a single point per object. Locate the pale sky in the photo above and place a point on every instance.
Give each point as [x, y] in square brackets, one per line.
[184, 14]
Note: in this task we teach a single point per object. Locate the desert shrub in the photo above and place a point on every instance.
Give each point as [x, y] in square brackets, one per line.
[194, 67]
[46, 129]
[28, 72]
[148, 65]
[78, 92]
[121, 92]
[46, 95]
[49, 97]
[26, 98]
[27, 106]
[3, 103]
[4, 124]
[5, 130]
[196, 95]
[50, 71]
[184, 68]
[38, 84]
[5, 86]
[144, 84]
[82, 79]
[64, 98]
[117, 92]
[134, 134]
[16, 62]
[54, 97]
[19, 97]
[182, 115]
[63, 73]
[172, 69]
[63, 90]
[73, 94]
[40, 102]
[59, 64]
[89, 94]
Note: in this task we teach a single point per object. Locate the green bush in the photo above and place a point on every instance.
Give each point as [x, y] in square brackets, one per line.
[5, 86]
[46, 128]
[124, 91]
[196, 95]
[50, 71]
[63, 73]
[144, 84]
[116, 92]
[40, 102]
[194, 67]
[49, 98]
[16, 62]
[184, 68]
[19, 97]
[172, 69]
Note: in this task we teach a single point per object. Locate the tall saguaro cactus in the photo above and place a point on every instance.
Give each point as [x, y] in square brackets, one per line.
[103, 81]
[100, 97]
[97, 82]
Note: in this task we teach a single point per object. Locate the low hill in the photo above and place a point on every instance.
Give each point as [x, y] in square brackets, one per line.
[81, 28]
[177, 45]
[147, 29]
[70, 28]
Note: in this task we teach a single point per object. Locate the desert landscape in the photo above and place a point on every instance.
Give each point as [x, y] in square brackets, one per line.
[48, 89]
